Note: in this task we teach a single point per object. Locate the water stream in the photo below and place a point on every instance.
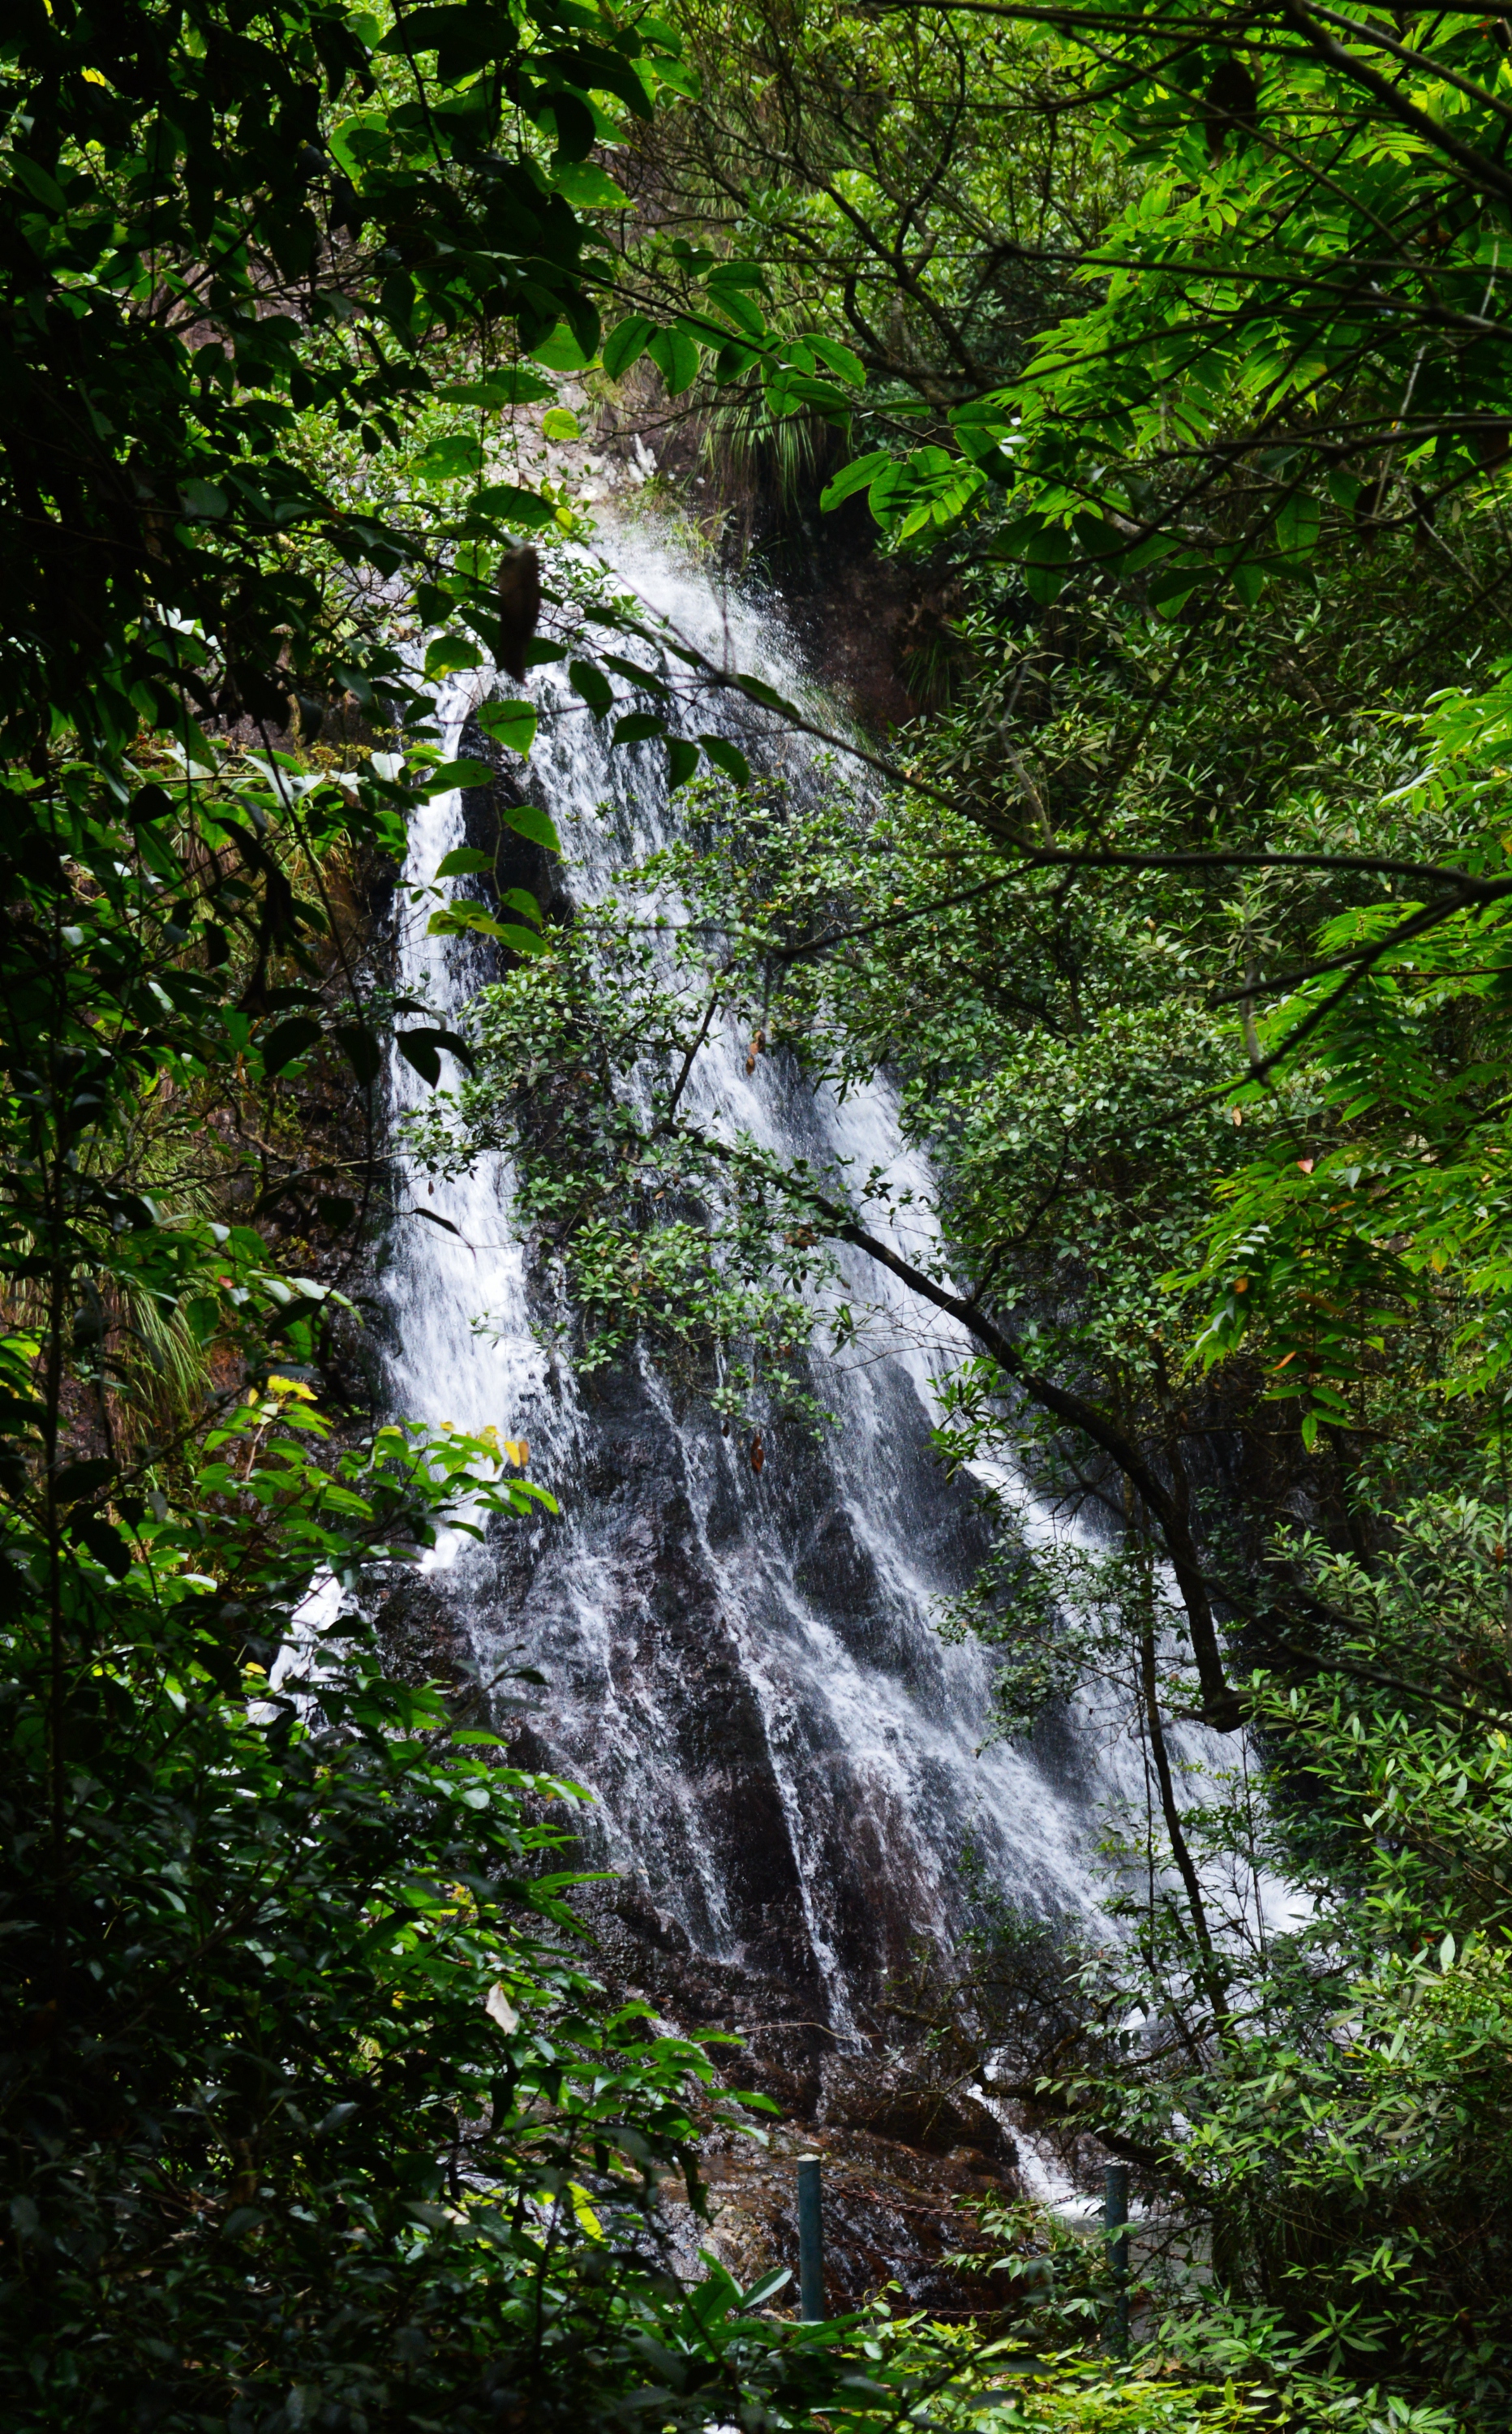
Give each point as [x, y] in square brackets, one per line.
[743, 1667]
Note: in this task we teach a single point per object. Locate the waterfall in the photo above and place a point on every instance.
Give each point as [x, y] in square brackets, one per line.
[743, 1668]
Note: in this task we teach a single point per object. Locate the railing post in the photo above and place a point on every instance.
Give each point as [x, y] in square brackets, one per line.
[811, 2242]
[1116, 2228]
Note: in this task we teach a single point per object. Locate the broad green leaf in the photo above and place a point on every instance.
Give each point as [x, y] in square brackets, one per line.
[510, 723]
[41, 188]
[674, 352]
[452, 774]
[1248, 580]
[625, 344]
[452, 457]
[839, 359]
[727, 757]
[587, 187]
[206, 499]
[591, 685]
[288, 1040]
[511, 386]
[857, 475]
[757, 689]
[1046, 560]
[421, 1045]
[1297, 525]
[529, 820]
[360, 1049]
[743, 310]
[560, 351]
[445, 653]
[525, 510]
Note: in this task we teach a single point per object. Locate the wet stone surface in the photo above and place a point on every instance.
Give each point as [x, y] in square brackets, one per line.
[893, 2215]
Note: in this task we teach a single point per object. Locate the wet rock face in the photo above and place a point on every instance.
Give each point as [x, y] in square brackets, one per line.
[893, 2216]
[680, 1646]
[892, 2102]
[740, 1660]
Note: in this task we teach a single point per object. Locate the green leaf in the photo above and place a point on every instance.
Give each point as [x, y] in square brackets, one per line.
[529, 820]
[840, 360]
[1014, 539]
[625, 344]
[512, 385]
[203, 499]
[1046, 560]
[559, 425]
[454, 457]
[288, 1040]
[743, 310]
[420, 1048]
[587, 187]
[525, 508]
[571, 119]
[361, 1050]
[682, 761]
[455, 920]
[1172, 586]
[754, 690]
[1246, 576]
[417, 1052]
[857, 475]
[1297, 527]
[78, 1479]
[737, 275]
[104, 1542]
[646, 678]
[591, 685]
[510, 723]
[725, 756]
[638, 726]
[38, 185]
[463, 860]
[674, 352]
[559, 350]
[446, 653]
[455, 773]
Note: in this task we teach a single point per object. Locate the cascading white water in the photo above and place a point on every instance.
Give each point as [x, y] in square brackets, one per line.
[743, 1668]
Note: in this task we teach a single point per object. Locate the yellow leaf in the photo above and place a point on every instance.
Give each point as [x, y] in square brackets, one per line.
[292, 1386]
[518, 1451]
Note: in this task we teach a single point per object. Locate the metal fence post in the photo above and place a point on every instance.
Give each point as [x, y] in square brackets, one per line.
[810, 2241]
[1115, 2226]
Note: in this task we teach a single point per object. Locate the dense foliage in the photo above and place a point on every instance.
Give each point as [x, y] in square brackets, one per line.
[1180, 939]
[308, 2114]
[1177, 338]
